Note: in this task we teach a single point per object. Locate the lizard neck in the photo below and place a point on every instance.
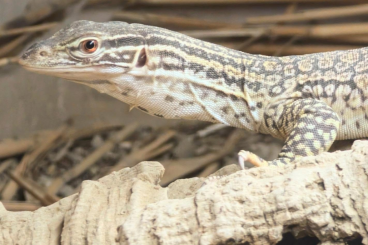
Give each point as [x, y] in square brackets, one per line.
[203, 81]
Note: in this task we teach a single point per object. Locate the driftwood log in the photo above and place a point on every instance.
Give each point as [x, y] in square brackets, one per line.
[324, 196]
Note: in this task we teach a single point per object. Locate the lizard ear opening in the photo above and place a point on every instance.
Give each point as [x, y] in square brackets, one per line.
[142, 58]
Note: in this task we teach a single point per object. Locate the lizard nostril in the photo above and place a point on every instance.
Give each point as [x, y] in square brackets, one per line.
[43, 53]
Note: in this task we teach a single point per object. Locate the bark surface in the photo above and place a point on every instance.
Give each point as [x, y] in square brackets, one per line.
[324, 196]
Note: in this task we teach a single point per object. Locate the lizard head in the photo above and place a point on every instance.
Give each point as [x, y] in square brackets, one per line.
[109, 57]
[86, 51]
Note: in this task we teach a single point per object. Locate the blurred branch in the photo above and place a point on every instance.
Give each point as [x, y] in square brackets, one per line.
[318, 14]
[77, 133]
[326, 30]
[10, 46]
[291, 8]
[29, 29]
[20, 206]
[37, 15]
[286, 45]
[175, 169]
[171, 21]
[358, 39]
[5, 164]
[315, 31]
[210, 169]
[145, 153]
[92, 158]
[11, 147]
[31, 158]
[4, 62]
[224, 33]
[250, 41]
[205, 2]
[34, 189]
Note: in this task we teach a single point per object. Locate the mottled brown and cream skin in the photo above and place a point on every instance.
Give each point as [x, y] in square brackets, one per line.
[309, 101]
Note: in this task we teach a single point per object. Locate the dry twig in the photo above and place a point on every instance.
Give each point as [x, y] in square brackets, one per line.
[210, 129]
[10, 148]
[5, 164]
[28, 29]
[92, 158]
[8, 60]
[210, 169]
[181, 167]
[10, 46]
[222, 2]
[34, 16]
[171, 21]
[30, 158]
[149, 151]
[34, 189]
[286, 45]
[317, 14]
[20, 206]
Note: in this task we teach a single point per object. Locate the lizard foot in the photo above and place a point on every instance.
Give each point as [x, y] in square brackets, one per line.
[248, 156]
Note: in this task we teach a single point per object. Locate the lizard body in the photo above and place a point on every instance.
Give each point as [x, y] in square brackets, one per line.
[309, 100]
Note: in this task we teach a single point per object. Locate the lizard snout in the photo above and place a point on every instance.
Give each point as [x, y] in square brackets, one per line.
[35, 55]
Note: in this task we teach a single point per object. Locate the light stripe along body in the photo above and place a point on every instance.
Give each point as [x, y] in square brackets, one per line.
[307, 100]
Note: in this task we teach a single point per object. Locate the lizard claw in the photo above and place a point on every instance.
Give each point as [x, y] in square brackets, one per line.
[241, 161]
[248, 156]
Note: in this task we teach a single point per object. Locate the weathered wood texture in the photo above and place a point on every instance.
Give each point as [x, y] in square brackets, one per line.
[321, 196]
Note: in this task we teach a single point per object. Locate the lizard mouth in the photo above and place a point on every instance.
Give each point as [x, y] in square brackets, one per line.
[57, 71]
[70, 69]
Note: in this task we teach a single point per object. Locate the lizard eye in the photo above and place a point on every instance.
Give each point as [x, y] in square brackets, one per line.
[89, 46]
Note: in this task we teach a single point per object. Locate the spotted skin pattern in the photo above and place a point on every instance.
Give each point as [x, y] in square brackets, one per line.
[310, 127]
[309, 101]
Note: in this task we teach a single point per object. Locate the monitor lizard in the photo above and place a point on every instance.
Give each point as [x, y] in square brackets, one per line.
[309, 101]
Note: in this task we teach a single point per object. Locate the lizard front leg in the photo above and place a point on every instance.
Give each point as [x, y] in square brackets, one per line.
[311, 127]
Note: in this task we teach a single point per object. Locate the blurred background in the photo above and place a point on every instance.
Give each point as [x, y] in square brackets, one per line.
[55, 134]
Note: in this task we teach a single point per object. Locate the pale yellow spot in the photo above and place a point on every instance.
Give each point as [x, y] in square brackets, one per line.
[271, 112]
[318, 90]
[305, 66]
[319, 119]
[333, 134]
[309, 152]
[344, 77]
[269, 65]
[330, 89]
[289, 154]
[276, 90]
[269, 121]
[317, 144]
[309, 135]
[330, 74]
[361, 81]
[349, 57]
[325, 63]
[331, 121]
[355, 100]
[302, 78]
[272, 79]
[326, 136]
[297, 137]
[300, 146]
